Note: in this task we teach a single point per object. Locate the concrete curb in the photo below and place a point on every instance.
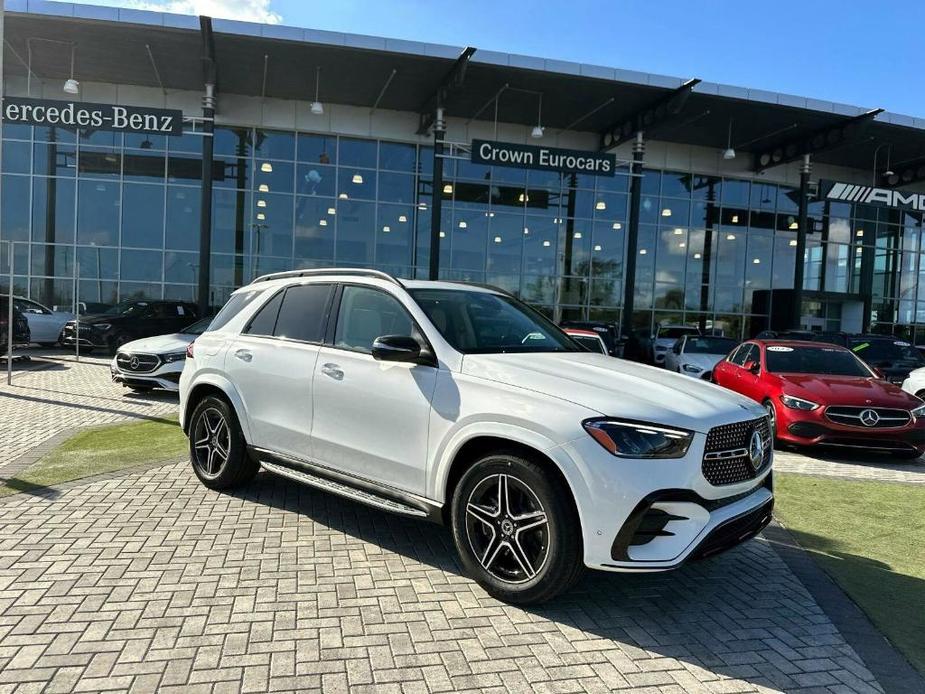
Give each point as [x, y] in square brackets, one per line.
[889, 666]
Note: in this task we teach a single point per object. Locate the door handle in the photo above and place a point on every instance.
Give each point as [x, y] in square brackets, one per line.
[244, 355]
[332, 370]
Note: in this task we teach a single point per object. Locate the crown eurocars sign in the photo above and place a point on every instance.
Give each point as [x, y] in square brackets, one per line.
[83, 115]
[543, 158]
[870, 195]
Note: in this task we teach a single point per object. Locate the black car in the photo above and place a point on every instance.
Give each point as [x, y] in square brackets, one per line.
[129, 320]
[21, 334]
[891, 357]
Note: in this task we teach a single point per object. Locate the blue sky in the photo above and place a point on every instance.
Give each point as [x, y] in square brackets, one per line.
[863, 53]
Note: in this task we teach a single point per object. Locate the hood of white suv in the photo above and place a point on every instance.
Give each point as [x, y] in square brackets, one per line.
[616, 388]
[160, 344]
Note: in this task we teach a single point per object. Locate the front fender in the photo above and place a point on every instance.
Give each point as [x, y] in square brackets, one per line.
[216, 380]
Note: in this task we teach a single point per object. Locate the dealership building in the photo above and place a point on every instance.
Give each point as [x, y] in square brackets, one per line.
[590, 192]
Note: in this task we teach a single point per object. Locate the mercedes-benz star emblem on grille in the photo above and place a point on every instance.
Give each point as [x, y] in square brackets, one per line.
[756, 450]
[869, 418]
[133, 362]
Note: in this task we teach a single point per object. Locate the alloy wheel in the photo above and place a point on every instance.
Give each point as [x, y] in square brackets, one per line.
[507, 528]
[772, 416]
[211, 442]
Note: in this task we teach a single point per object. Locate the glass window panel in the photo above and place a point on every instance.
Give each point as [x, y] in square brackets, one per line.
[180, 267]
[17, 131]
[551, 180]
[367, 313]
[651, 182]
[274, 231]
[467, 240]
[144, 166]
[671, 255]
[355, 232]
[315, 222]
[674, 212]
[186, 168]
[142, 215]
[139, 291]
[104, 138]
[98, 213]
[230, 172]
[393, 235]
[735, 193]
[274, 144]
[576, 244]
[426, 160]
[230, 215]
[607, 250]
[232, 141]
[99, 163]
[313, 179]
[14, 216]
[758, 259]
[317, 149]
[144, 141]
[539, 289]
[53, 209]
[397, 157]
[182, 228]
[141, 266]
[226, 270]
[606, 292]
[395, 187]
[506, 239]
[729, 261]
[275, 176]
[649, 209]
[763, 196]
[53, 160]
[676, 185]
[356, 152]
[97, 264]
[357, 184]
[763, 220]
[52, 260]
[669, 296]
[17, 157]
[611, 206]
[187, 142]
[507, 174]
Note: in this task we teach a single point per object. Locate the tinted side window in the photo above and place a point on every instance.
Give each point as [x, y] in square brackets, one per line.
[366, 314]
[265, 321]
[738, 357]
[234, 306]
[303, 311]
[750, 354]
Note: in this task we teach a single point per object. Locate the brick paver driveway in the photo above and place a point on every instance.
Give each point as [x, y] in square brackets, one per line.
[149, 580]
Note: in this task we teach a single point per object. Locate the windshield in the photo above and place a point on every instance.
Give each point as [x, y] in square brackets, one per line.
[127, 308]
[478, 322]
[197, 328]
[879, 351]
[676, 331]
[825, 361]
[709, 345]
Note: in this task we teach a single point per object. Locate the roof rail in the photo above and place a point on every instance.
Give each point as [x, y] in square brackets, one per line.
[360, 272]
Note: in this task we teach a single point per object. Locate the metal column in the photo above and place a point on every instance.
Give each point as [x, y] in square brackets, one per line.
[632, 236]
[800, 260]
[205, 211]
[436, 204]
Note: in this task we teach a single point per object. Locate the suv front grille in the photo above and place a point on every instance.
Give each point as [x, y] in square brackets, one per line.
[726, 455]
[851, 416]
[137, 363]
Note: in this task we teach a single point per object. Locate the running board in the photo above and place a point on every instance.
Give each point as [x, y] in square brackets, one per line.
[344, 490]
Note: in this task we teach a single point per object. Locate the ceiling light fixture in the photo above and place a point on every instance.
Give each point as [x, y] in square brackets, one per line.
[642, 251]
[730, 237]
[261, 216]
[442, 235]
[793, 242]
[266, 167]
[72, 86]
[546, 244]
[666, 212]
[678, 231]
[448, 189]
[317, 108]
[576, 235]
[263, 188]
[462, 224]
[343, 196]
[402, 218]
[357, 178]
[600, 205]
[793, 226]
[597, 247]
[696, 256]
[322, 222]
[497, 239]
[617, 226]
[261, 203]
[729, 153]
[526, 231]
[537, 131]
[386, 229]
[331, 210]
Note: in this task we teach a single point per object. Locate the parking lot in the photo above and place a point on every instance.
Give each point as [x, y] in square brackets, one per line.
[146, 579]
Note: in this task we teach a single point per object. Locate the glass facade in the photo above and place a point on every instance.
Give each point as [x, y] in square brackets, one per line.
[126, 208]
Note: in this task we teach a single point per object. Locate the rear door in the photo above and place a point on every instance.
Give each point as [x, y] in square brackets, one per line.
[272, 364]
[726, 372]
[371, 417]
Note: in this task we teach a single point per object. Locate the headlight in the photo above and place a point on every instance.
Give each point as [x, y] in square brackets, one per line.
[691, 368]
[173, 356]
[798, 403]
[919, 411]
[638, 439]
[101, 326]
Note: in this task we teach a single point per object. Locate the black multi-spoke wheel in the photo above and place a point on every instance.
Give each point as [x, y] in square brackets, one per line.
[217, 448]
[516, 531]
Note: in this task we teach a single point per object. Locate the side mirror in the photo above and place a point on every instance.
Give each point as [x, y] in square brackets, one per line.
[752, 366]
[402, 348]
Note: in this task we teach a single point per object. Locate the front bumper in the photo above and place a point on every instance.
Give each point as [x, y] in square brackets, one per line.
[165, 376]
[654, 515]
[813, 428]
[88, 337]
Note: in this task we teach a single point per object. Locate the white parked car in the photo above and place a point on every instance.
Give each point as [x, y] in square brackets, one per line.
[588, 339]
[460, 404]
[664, 338]
[696, 355]
[915, 383]
[154, 362]
[45, 325]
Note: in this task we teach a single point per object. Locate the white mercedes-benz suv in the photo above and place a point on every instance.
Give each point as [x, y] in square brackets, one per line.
[460, 404]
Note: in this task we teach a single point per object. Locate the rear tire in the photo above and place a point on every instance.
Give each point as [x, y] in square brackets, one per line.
[522, 546]
[218, 451]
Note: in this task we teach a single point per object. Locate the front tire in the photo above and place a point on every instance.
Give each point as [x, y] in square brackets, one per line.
[772, 415]
[516, 531]
[218, 451]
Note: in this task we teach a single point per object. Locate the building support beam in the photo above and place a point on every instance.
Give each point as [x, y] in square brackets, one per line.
[661, 112]
[436, 201]
[205, 208]
[632, 236]
[800, 259]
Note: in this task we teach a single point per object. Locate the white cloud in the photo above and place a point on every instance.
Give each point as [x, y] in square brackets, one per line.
[243, 10]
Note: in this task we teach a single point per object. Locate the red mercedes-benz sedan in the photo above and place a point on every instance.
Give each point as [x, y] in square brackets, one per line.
[821, 394]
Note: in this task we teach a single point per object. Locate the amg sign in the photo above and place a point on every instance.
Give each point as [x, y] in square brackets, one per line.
[545, 158]
[81, 115]
[869, 195]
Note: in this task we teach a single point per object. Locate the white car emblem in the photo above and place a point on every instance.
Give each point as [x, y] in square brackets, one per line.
[133, 363]
[869, 418]
[756, 450]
